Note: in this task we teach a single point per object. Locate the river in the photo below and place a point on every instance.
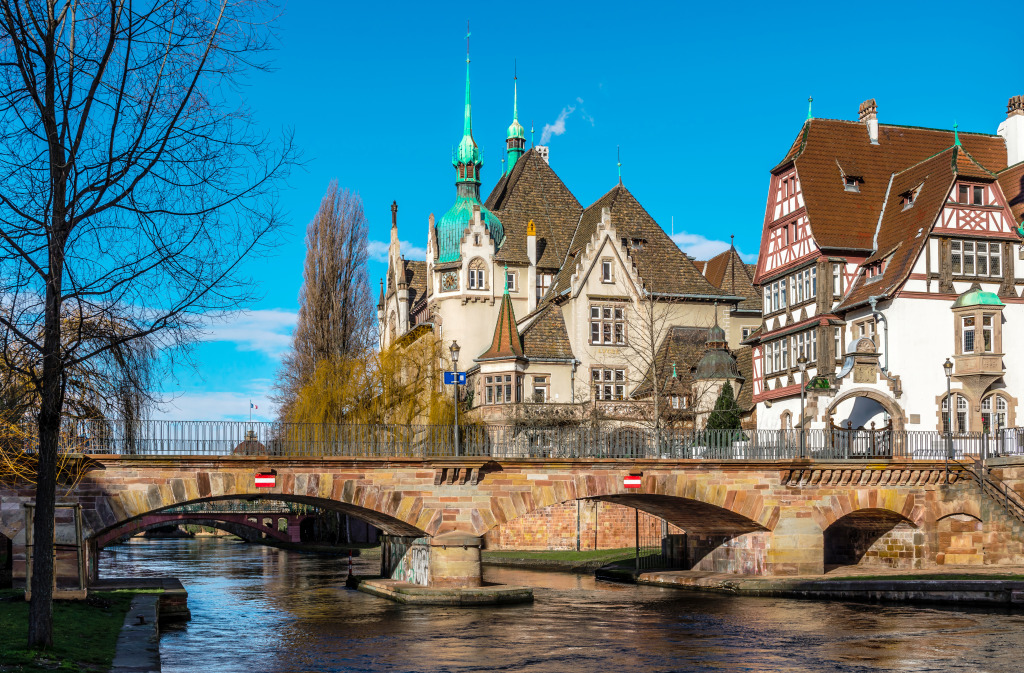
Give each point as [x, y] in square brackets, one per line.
[260, 609]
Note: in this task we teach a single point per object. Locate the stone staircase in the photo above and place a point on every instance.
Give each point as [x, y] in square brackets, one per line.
[1001, 508]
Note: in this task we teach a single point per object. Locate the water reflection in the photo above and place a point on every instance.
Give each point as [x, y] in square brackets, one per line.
[260, 609]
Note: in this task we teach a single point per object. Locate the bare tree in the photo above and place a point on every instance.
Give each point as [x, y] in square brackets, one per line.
[336, 314]
[133, 184]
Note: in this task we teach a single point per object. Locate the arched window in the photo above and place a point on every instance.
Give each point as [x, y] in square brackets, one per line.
[477, 275]
[993, 413]
[786, 420]
[959, 414]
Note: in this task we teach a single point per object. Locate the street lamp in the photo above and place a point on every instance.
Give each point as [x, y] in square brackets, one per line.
[455, 391]
[947, 367]
[801, 362]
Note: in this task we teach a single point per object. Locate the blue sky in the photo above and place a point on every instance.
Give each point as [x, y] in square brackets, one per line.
[702, 98]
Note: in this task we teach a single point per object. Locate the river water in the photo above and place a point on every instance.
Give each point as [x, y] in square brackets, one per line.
[257, 609]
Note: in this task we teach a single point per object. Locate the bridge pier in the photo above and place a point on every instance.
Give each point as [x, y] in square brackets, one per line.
[796, 546]
[455, 560]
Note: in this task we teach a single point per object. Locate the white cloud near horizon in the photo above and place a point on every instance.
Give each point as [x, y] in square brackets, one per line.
[704, 248]
[378, 251]
[268, 331]
[220, 405]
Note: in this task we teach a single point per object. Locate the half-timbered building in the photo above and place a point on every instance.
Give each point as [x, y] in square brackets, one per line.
[886, 250]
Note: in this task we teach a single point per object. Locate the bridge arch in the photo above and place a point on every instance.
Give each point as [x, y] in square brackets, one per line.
[873, 536]
[145, 523]
[870, 396]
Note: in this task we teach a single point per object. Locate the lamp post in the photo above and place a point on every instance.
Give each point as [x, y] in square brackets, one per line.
[455, 389]
[947, 367]
[572, 377]
[801, 362]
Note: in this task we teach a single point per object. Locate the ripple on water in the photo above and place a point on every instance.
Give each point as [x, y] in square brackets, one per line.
[259, 609]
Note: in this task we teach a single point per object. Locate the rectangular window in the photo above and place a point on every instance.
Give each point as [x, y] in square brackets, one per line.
[785, 353]
[979, 195]
[968, 334]
[795, 289]
[964, 193]
[607, 325]
[837, 339]
[543, 284]
[982, 249]
[837, 281]
[476, 279]
[814, 283]
[976, 258]
[782, 293]
[994, 257]
[968, 258]
[986, 332]
[958, 258]
[814, 346]
[488, 390]
[775, 297]
[540, 389]
[510, 278]
[767, 299]
[609, 384]
[606, 271]
[745, 333]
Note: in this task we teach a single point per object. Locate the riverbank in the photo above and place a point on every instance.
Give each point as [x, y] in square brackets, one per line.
[561, 561]
[85, 633]
[966, 585]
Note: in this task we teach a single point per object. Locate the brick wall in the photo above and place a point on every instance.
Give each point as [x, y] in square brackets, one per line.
[603, 525]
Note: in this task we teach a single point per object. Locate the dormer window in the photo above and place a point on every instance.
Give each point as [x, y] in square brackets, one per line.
[851, 183]
[907, 199]
[971, 194]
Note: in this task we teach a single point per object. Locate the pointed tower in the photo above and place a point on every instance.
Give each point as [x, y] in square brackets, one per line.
[515, 140]
[507, 344]
[467, 162]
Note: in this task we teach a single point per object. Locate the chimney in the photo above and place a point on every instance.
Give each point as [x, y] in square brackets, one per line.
[1012, 130]
[542, 150]
[869, 116]
[531, 274]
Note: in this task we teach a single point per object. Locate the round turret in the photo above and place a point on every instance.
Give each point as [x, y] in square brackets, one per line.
[975, 296]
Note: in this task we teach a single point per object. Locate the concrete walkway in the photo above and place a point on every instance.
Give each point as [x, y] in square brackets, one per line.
[138, 644]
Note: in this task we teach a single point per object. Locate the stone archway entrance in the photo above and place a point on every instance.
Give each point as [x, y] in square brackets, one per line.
[861, 407]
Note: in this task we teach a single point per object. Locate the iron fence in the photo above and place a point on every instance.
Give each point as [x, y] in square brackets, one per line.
[227, 438]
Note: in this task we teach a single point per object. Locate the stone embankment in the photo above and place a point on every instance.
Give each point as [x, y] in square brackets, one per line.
[970, 585]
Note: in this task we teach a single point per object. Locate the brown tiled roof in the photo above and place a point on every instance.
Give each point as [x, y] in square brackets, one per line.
[1012, 183]
[745, 363]
[532, 191]
[546, 336]
[506, 342]
[682, 346]
[416, 277]
[904, 231]
[845, 220]
[663, 267]
[727, 272]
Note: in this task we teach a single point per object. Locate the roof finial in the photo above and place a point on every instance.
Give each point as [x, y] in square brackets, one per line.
[467, 40]
[618, 159]
[506, 279]
[956, 134]
[810, 99]
[515, 90]
[531, 133]
[732, 241]
[674, 374]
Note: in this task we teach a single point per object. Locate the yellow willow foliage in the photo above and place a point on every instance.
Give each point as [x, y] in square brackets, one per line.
[19, 462]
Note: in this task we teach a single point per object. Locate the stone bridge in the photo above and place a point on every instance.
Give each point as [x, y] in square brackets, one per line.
[786, 517]
[249, 526]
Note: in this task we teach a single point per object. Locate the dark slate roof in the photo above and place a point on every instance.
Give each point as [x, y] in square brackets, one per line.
[744, 361]
[532, 191]
[1012, 183]
[415, 277]
[506, 342]
[728, 273]
[546, 336]
[663, 267]
[683, 346]
[845, 220]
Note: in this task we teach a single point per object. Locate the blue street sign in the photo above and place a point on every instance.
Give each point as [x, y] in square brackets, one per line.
[449, 378]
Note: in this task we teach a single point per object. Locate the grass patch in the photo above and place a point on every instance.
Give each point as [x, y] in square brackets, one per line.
[591, 555]
[84, 633]
[937, 576]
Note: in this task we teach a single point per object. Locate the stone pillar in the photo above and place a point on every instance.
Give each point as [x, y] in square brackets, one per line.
[796, 546]
[455, 560]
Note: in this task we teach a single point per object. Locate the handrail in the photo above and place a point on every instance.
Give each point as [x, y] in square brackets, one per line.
[1010, 500]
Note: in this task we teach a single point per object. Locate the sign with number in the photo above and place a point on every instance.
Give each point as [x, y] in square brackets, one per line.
[450, 378]
[266, 480]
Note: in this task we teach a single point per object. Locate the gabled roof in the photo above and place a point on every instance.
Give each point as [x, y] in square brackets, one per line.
[727, 272]
[1011, 181]
[682, 347]
[532, 191]
[506, 342]
[415, 278]
[903, 232]
[845, 220]
[664, 268]
[546, 336]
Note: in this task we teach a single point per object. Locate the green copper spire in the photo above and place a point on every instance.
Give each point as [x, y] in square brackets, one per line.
[467, 161]
[810, 99]
[956, 134]
[515, 139]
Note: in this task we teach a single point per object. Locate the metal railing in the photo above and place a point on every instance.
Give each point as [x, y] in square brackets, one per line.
[1003, 495]
[229, 438]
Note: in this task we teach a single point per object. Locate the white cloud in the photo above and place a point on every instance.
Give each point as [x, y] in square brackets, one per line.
[220, 405]
[558, 127]
[265, 331]
[378, 251]
[704, 248]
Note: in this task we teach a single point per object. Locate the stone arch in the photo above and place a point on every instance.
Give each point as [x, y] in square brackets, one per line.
[890, 405]
[141, 525]
[873, 536]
